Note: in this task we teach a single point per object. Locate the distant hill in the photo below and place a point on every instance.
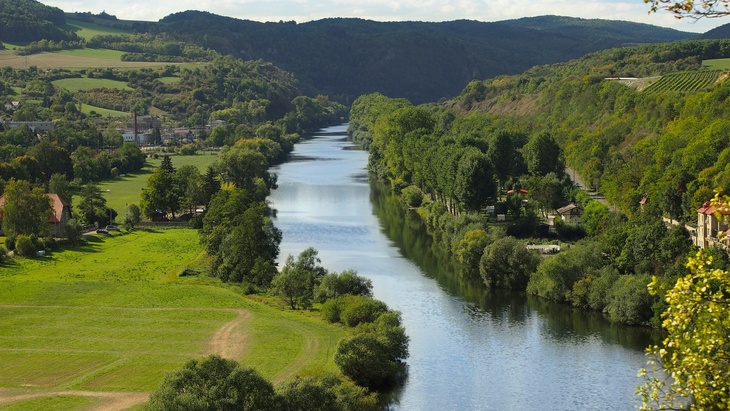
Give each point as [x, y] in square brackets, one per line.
[28, 20]
[345, 58]
[422, 61]
[721, 32]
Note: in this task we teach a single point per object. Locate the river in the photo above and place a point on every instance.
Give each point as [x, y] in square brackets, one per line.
[469, 349]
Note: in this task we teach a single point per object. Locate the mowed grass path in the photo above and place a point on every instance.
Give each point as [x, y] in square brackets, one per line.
[106, 321]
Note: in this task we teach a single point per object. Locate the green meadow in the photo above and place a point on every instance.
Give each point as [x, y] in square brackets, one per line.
[88, 30]
[121, 191]
[717, 64]
[85, 83]
[103, 112]
[114, 316]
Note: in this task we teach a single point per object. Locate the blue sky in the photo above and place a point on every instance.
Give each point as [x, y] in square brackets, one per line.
[391, 10]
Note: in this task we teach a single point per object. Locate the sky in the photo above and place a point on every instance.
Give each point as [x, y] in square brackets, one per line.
[391, 10]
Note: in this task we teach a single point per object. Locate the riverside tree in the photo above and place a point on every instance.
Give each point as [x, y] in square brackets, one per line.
[214, 383]
[695, 353]
[299, 278]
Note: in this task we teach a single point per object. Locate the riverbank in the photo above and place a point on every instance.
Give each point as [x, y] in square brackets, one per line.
[470, 348]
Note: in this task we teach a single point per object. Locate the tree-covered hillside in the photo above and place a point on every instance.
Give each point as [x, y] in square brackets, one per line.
[28, 20]
[423, 62]
[627, 142]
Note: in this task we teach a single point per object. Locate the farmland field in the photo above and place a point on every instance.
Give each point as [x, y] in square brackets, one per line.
[89, 30]
[105, 322]
[689, 81]
[84, 83]
[717, 64]
[83, 58]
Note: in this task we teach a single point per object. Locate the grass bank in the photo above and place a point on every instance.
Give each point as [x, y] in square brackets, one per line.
[110, 318]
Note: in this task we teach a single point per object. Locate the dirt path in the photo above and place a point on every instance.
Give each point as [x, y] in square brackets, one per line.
[311, 346]
[108, 400]
[230, 341]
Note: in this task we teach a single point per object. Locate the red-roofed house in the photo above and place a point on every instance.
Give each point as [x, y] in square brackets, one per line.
[60, 214]
[709, 227]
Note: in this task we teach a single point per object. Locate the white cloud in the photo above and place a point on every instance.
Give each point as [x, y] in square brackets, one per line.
[390, 10]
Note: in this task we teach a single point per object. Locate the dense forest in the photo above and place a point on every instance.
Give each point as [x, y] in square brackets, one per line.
[28, 20]
[504, 142]
[345, 58]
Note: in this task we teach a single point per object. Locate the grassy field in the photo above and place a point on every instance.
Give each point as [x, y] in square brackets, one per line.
[717, 64]
[82, 58]
[127, 190]
[103, 112]
[85, 83]
[107, 320]
[89, 30]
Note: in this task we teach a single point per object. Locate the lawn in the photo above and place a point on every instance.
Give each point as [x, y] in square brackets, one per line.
[717, 64]
[102, 112]
[114, 316]
[121, 191]
[85, 83]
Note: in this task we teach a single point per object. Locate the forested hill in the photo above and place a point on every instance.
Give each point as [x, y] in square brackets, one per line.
[29, 20]
[423, 62]
[644, 120]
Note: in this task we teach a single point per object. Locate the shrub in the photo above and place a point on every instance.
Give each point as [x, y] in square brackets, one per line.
[3, 254]
[24, 246]
[412, 196]
[335, 285]
[72, 231]
[357, 309]
[506, 263]
[331, 310]
[325, 393]
[373, 358]
[629, 301]
[214, 383]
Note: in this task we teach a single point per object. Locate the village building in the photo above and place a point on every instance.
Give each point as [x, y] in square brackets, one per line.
[711, 230]
[571, 213]
[60, 214]
[38, 127]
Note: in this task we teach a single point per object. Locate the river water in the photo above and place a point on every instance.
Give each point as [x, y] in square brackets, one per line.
[469, 349]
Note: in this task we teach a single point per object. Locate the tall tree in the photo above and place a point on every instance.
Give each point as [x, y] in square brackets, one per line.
[543, 155]
[695, 352]
[59, 185]
[26, 209]
[299, 278]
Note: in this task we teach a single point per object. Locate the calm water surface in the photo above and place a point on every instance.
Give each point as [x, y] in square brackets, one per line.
[470, 349]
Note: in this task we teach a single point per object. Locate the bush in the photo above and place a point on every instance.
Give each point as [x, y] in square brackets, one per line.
[412, 196]
[335, 285]
[188, 150]
[506, 263]
[214, 384]
[10, 242]
[357, 309]
[373, 358]
[3, 254]
[331, 310]
[629, 301]
[24, 246]
[325, 393]
[72, 231]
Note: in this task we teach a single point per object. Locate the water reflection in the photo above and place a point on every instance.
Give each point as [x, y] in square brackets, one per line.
[471, 348]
